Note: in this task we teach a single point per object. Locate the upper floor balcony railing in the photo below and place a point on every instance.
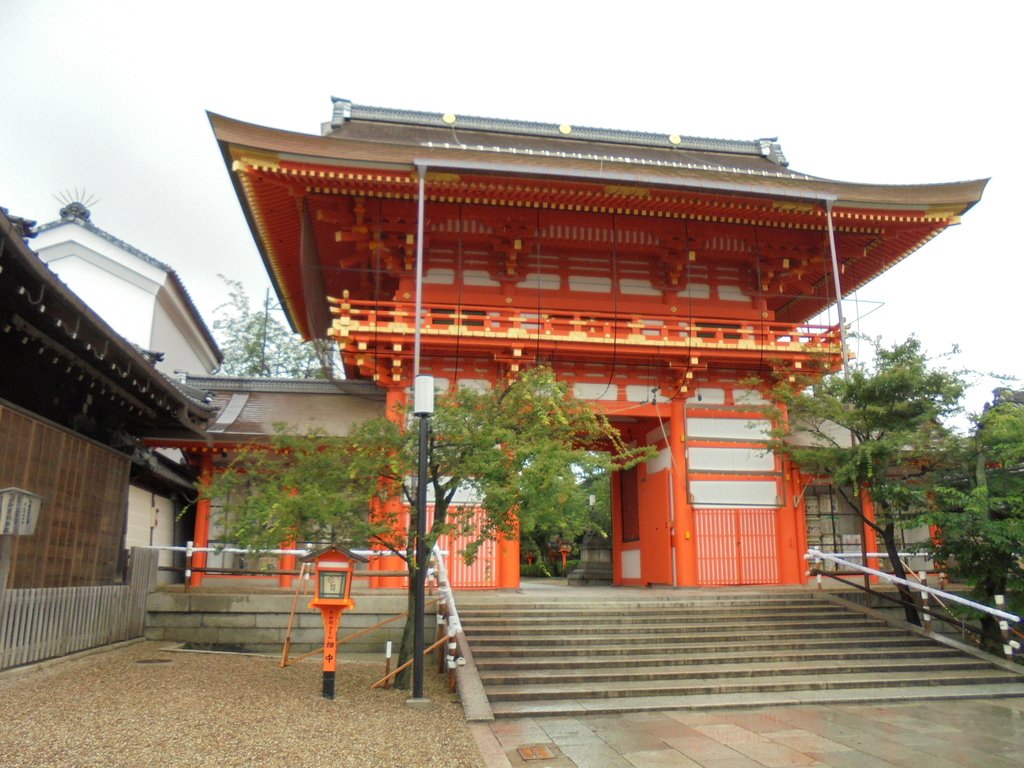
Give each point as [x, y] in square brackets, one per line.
[489, 326]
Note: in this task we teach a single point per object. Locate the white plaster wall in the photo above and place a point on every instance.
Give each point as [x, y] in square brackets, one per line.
[631, 564]
[735, 493]
[588, 391]
[659, 461]
[179, 338]
[145, 509]
[730, 459]
[124, 302]
[728, 429]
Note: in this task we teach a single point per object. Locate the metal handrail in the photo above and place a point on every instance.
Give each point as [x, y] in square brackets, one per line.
[1004, 617]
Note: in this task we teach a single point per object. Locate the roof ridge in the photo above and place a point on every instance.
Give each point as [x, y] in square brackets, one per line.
[767, 148]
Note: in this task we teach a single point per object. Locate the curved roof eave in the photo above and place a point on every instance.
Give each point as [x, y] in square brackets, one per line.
[278, 144]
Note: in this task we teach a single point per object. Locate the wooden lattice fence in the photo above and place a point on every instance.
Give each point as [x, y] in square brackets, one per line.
[44, 623]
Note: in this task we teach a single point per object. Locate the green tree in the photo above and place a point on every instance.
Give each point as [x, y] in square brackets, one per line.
[518, 452]
[522, 453]
[978, 508]
[875, 430]
[296, 488]
[255, 343]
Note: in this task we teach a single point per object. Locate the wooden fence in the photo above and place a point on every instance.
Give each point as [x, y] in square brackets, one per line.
[44, 623]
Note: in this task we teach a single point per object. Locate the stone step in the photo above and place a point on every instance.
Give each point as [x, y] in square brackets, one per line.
[533, 617]
[680, 640]
[655, 607]
[615, 646]
[668, 627]
[880, 654]
[634, 675]
[707, 702]
[749, 684]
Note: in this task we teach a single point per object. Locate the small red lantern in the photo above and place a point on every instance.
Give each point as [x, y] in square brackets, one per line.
[332, 590]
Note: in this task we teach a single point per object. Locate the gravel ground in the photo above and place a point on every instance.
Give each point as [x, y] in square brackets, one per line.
[190, 710]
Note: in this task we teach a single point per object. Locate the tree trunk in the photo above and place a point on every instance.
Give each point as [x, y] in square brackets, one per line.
[906, 596]
[991, 634]
[403, 680]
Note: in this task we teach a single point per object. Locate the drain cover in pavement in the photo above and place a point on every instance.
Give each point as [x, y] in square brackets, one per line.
[152, 661]
[535, 753]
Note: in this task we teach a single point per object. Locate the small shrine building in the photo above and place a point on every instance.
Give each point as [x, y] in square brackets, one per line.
[658, 274]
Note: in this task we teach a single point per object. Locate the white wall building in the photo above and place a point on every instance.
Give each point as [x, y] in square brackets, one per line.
[140, 297]
[143, 300]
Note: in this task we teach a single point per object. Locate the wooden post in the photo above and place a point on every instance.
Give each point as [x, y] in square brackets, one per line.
[201, 535]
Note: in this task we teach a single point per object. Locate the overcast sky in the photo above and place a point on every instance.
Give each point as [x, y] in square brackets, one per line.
[111, 97]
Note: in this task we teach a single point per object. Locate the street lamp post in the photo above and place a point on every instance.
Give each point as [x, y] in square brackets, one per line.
[423, 407]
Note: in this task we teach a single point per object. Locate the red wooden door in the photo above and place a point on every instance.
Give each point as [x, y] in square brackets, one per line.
[736, 546]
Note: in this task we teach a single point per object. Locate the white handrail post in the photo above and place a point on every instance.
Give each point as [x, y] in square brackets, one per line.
[926, 613]
[1004, 630]
[189, 549]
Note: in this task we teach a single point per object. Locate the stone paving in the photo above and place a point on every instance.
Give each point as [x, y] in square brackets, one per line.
[975, 733]
[933, 734]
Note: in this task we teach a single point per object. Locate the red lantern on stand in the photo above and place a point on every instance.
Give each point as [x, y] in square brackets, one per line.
[333, 587]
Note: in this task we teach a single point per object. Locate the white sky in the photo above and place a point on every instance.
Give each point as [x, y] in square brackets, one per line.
[111, 97]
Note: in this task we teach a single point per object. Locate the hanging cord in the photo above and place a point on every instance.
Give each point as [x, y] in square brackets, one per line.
[539, 274]
[828, 268]
[615, 309]
[458, 302]
[761, 298]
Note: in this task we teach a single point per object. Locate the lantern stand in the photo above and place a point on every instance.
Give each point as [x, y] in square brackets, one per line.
[332, 590]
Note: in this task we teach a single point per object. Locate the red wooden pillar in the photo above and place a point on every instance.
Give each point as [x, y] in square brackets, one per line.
[508, 561]
[870, 537]
[789, 542]
[286, 563]
[684, 533]
[616, 532]
[201, 534]
[799, 488]
[391, 510]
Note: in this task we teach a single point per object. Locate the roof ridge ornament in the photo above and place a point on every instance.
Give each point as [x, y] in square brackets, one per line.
[76, 206]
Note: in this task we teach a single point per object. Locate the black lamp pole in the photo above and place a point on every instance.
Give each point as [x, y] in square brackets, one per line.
[423, 407]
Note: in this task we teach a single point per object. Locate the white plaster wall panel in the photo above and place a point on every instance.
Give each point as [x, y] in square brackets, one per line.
[695, 291]
[137, 531]
[659, 434]
[145, 508]
[631, 564]
[660, 461]
[708, 396]
[748, 397]
[543, 282]
[478, 277]
[730, 460]
[735, 493]
[439, 276]
[637, 287]
[731, 293]
[595, 391]
[728, 429]
[124, 306]
[179, 352]
[639, 393]
[590, 284]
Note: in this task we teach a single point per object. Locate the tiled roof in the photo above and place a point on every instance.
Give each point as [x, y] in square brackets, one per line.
[345, 110]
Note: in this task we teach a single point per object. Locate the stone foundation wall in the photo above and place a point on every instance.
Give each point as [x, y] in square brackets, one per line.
[257, 623]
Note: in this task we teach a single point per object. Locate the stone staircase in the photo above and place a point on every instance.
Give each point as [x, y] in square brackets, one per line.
[668, 650]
